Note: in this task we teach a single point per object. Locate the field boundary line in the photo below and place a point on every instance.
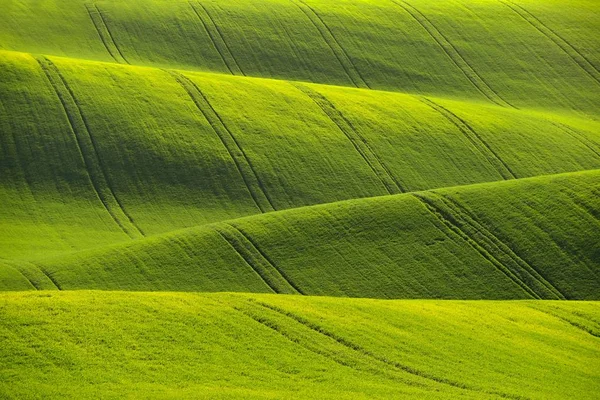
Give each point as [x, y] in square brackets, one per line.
[558, 40]
[238, 155]
[217, 39]
[449, 221]
[382, 359]
[104, 32]
[246, 249]
[361, 145]
[337, 49]
[475, 139]
[453, 53]
[531, 274]
[88, 150]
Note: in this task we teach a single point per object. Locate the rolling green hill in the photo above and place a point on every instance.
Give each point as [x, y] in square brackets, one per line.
[397, 158]
[530, 238]
[173, 345]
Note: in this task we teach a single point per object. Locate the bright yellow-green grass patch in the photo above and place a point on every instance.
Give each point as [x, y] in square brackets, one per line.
[115, 345]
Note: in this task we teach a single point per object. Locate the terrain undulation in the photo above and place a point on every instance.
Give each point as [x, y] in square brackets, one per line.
[300, 199]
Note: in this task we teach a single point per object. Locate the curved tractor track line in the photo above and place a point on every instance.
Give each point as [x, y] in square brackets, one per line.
[475, 139]
[104, 32]
[452, 53]
[337, 49]
[353, 347]
[530, 275]
[256, 259]
[88, 150]
[558, 40]
[391, 184]
[217, 39]
[242, 162]
[449, 222]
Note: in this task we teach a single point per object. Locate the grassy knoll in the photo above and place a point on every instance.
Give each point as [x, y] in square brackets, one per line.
[548, 58]
[115, 345]
[114, 153]
[529, 238]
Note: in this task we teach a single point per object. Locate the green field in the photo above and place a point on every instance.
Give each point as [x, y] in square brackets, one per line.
[401, 160]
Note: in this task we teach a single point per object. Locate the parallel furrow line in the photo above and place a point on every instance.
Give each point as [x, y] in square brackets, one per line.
[577, 136]
[105, 34]
[449, 221]
[361, 145]
[217, 38]
[337, 49]
[49, 275]
[237, 154]
[568, 321]
[525, 271]
[256, 259]
[88, 150]
[363, 351]
[453, 53]
[475, 139]
[565, 46]
[7, 264]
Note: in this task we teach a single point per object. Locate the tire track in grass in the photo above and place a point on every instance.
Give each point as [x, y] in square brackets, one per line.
[568, 321]
[475, 139]
[237, 154]
[363, 352]
[449, 220]
[6, 264]
[361, 145]
[337, 49]
[528, 274]
[577, 136]
[217, 39]
[452, 53]
[558, 40]
[88, 150]
[104, 33]
[256, 259]
[19, 265]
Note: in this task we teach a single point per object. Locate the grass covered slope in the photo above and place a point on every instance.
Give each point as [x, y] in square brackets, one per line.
[249, 346]
[530, 238]
[444, 48]
[98, 153]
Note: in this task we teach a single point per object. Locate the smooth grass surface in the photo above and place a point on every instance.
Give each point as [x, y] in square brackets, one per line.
[117, 344]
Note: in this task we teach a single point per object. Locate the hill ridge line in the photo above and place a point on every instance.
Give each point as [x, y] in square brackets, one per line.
[238, 155]
[213, 225]
[439, 96]
[88, 150]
